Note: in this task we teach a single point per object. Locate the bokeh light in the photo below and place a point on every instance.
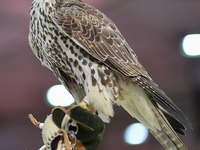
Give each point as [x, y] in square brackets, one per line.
[135, 134]
[57, 95]
[191, 45]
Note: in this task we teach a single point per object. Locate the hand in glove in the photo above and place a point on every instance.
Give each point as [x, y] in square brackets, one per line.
[72, 129]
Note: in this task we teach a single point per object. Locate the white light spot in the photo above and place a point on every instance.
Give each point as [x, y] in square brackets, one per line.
[57, 95]
[191, 45]
[135, 134]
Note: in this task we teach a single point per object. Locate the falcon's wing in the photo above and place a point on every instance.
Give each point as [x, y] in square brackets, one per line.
[98, 36]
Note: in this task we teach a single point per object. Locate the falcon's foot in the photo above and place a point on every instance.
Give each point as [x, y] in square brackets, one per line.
[86, 105]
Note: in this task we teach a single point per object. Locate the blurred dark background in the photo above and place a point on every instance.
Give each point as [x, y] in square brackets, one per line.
[153, 28]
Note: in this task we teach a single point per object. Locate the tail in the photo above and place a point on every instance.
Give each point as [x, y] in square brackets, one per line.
[159, 122]
[167, 135]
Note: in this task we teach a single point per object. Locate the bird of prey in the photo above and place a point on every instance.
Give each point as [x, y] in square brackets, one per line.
[85, 50]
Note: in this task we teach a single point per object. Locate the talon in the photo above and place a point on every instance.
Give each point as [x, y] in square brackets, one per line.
[84, 104]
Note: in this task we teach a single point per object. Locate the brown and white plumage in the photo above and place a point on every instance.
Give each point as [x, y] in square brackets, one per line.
[87, 53]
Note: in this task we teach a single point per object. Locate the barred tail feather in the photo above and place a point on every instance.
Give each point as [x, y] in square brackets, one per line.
[167, 136]
[159, 121]
[162, 129]
[167, 141]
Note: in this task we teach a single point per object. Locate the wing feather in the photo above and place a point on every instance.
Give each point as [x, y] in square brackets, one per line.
[98, 35]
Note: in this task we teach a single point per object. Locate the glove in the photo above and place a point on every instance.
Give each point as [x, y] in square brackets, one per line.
[72, 129]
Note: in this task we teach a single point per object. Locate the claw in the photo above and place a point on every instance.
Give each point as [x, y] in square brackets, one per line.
[85, 105]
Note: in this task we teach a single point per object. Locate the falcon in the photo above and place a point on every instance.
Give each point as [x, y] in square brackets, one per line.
[85, 50]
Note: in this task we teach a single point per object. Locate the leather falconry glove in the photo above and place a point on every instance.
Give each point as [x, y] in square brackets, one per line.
[72, 129]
